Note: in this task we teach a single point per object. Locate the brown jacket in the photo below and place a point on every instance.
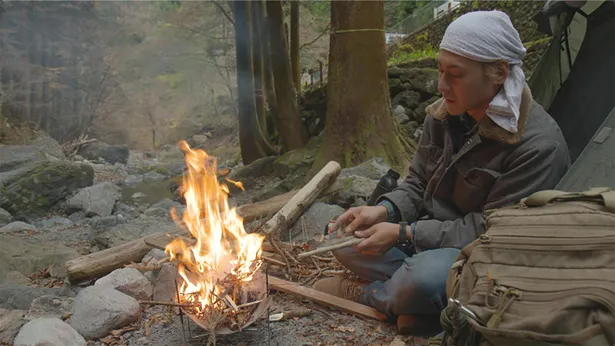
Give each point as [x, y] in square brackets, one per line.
[455, 176]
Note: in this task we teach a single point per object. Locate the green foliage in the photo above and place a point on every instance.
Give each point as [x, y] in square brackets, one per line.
[405, 56]
[172, 79]
[170, 6]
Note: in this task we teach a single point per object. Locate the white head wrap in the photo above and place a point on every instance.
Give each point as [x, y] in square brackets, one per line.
[488, 36]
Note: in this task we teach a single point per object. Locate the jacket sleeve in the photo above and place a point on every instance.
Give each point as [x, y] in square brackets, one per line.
[407, 198]
[539, 168]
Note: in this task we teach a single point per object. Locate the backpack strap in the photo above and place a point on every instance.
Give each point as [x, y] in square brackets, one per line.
[602, 195]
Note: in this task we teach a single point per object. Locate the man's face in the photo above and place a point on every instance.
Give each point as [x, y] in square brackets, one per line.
[464, 84]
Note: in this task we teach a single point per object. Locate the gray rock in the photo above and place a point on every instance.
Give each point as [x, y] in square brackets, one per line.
[17, 159]
[417, 134]
[111, 154]
[102, 223]
[48, 331]
[314, 219]
[373, 168]
[55, 223]
[26, 257]
[50, 306]
[21, 297]
[5, 217]
[96, 200]
[200, 139]
[99, 309]
[15, 277]
[10, 323]
[132, 180]
[400, 114]
[77, 216]
[154, 255]
[408, 99]
[354, 187]
[131, 230]
[153, 176]
[123, 209]
[137, 195]
[50, 147]
[36, 190]
[129, 281]
[17, 226]
[164, 289]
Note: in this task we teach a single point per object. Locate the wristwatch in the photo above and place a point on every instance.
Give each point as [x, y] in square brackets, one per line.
[403, 238]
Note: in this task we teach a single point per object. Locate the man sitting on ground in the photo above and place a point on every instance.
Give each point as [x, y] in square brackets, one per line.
[486, 144]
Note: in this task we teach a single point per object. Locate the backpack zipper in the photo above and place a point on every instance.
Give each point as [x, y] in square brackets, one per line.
[570, 243]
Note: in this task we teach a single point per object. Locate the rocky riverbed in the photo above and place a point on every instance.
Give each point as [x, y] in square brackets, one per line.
[54, 208]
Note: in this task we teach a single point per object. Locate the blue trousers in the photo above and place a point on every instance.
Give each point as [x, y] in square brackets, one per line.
[402, 284]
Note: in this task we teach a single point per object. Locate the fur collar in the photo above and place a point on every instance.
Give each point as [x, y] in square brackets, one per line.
[487, 127]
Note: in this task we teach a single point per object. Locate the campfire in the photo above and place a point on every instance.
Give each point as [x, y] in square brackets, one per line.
[220, 284]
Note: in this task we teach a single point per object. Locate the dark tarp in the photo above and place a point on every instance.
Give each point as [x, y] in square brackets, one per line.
[588, 94]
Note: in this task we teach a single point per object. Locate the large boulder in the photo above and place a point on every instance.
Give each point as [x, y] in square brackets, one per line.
[10, 323]
[97, 200]
[5, 217]
[99, 309]
[298, 161]
[42, 186]
[48, 331]
[20, 254]
[109, 153]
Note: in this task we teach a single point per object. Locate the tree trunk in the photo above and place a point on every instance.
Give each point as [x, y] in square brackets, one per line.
[294, 44]
[359, 123]
[252, 143]
[256, 9]
[268, 77]
[293, 134]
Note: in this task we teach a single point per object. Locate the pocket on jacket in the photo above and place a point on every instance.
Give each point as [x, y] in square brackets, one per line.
[472, 188]
[433, 156]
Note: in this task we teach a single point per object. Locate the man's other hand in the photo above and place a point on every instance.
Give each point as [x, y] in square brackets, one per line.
[359, 218]
[380, 238]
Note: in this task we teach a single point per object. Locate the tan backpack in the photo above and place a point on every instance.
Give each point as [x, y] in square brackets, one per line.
[542, 274]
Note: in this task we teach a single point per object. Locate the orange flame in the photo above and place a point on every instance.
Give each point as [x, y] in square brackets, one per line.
[223, 250]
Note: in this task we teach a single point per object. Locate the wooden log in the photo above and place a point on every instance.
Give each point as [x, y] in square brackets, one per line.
[103, 262]
[251, 212]
[284, 218]
[325, 298]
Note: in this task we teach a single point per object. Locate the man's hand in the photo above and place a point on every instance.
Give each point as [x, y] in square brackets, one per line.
[380, 238]
[358, 218]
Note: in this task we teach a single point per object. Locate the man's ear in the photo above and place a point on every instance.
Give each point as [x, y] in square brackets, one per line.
[501, 71]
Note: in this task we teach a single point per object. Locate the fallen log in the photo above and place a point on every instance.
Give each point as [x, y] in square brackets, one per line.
[286, 216]
[324, 298]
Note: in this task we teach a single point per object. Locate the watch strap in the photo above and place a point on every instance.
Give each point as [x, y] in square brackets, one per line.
[403, 238]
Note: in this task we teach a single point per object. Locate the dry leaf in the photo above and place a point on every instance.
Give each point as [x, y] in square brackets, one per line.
[344, 329]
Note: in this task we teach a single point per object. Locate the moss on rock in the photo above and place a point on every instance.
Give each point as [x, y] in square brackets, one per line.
[38, 189]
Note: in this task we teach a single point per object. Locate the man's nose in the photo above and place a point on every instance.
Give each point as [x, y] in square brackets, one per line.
[443, 84]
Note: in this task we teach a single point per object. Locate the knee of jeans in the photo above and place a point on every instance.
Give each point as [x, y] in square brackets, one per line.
[346, 255]
[429, 275]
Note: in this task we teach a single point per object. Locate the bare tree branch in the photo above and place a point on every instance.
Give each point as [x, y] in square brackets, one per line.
[224, 12]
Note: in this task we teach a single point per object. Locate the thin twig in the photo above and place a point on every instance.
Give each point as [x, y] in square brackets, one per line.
[274, 243]
[274, 261]
[224, 12]
[316, 39]
[154, 302]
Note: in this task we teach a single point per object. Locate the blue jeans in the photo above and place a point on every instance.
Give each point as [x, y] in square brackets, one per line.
[402, 284]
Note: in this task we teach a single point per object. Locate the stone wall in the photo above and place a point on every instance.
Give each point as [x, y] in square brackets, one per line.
[520, 12]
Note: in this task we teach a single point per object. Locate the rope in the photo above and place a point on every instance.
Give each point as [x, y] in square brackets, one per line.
[353, 30]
